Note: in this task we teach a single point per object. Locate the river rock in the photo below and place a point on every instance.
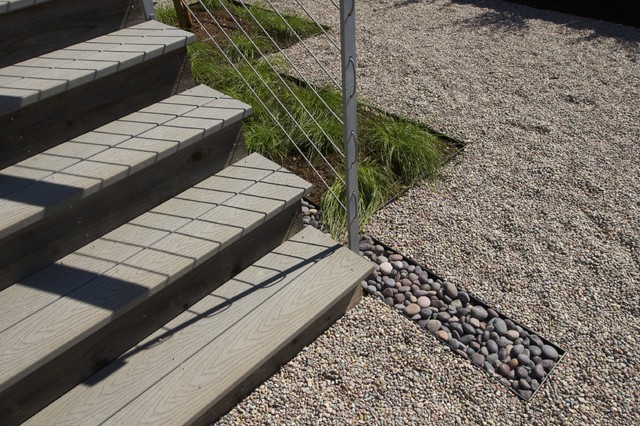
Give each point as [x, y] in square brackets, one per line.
[424, 301]
[386, 268]
[412, 309]
[549, 352]
[479, 312]
[433, 325]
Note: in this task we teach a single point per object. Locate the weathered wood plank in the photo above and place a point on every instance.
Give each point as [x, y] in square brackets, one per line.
[238, 327]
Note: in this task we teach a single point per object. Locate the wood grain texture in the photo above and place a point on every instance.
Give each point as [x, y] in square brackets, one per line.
[89, 299]
[251, 308]
[57, 24]
[62, 373]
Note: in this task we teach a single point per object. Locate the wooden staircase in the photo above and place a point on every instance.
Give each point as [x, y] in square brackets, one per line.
[147, 273]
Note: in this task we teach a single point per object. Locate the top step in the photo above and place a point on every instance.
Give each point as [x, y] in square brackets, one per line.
[7, 6]
[29, 28]
[40, 78]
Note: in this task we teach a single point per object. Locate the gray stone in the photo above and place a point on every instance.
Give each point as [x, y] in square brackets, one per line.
[451, 290]
[443, 334]
[412, 309]
[535, 350]
[443, 316]
[512, 335]
[549, 352]
[492, 346]
[538, 371]
[500, 326]
[463, 297]
[424, 301]
[477, 359]
[468, 329]
[521, 372]
[386, 268]
[523, 384]
[504, 370]
[479, 312]
[526, 394]
[517, 350]
[488, 367]
[433, 325]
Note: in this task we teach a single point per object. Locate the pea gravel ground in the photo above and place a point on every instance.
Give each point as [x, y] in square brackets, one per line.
[540, 217]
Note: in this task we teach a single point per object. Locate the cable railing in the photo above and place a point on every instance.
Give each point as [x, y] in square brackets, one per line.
[228, 19]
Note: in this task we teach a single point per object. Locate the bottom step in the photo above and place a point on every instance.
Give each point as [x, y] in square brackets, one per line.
[197, 366]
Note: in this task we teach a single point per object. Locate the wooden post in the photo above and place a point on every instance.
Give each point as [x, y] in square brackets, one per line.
[182, 11]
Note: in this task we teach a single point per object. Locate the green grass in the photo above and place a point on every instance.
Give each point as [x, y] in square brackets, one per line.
[394, 153]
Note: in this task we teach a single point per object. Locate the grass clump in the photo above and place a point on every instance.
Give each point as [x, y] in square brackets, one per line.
[394, 153]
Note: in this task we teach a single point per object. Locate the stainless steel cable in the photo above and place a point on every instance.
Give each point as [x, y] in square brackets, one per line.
[263, 104]
[331, 40]
[284, 83]
[282, 52]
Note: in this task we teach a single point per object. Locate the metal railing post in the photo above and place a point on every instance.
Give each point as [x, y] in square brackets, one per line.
[350, 113]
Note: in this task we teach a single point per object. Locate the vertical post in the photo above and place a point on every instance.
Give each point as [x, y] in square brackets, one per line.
[350, 115]
[182, 12]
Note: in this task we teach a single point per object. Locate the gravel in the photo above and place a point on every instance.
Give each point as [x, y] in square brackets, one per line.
[539, 217]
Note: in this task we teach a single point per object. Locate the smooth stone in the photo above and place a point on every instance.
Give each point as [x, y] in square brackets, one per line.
[534, 384]
[455, 305]
[395, 257]
[513, 363]
[397, 265]
[526, 394]
[467, 338]
[523, 359]
[536, 359]
[479, 312]
[477, 359]
[456, 327]
[372, 289]
[416, 317]
[474, 345]
[492, 346]
[399, 306]
[523, 384]
[517, 350]
[502, 342]
[411, 298]
[492, 313]
[470, 351]
[435, 286]
[483, 350]
[438, 304]
[536, 340]
[496, 363]
[535, 350]
[443, 335]
[443, 317]
[521, 372]
[399, 298]
[547, 364]
[504, 370]
[468, 329]
[421, 293]
[462, 353]
[500, 326]
[425, 313]
[404, 288]
[413, 276]
[406, 282]
[424, 301]
[387, 292]
[510, 324]
[463, 297]
[454, 343]
[386, 268]
[549, 352]
[433, 325]
[463, 312]
[451, 290]
[538, 371]
[512, 335]
[474, 322]
[505, 382]
[423, 323]
[412, 309]
[454, 320]
[488, 367]
[389, 301]
[424, 279]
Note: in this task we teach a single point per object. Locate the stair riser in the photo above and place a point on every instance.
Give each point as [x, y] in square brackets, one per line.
[43, 28]
[52, 238]
[40, 126]
[41, 387]
[270, 366]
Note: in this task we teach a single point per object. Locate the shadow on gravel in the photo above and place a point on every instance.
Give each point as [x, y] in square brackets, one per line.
[506, 16]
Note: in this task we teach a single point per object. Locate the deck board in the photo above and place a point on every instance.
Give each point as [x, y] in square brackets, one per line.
[100, 158]
[55, 73]
[155, 249]
[176, 373]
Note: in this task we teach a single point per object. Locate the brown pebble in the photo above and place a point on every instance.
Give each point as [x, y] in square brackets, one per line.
[513, 363]
[443, 334]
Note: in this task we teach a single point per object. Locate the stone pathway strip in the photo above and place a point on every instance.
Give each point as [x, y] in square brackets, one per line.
[507, 351]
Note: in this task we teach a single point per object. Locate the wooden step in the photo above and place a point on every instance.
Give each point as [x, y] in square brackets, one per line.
[64, 322]
[59, 200]
[31, 28]
[60, 95]
[194, 368]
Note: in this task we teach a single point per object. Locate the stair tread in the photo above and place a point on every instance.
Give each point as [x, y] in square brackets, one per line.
[45, 183]
[7, 6]
[58, 306]
[39, 78]
[176, 373]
